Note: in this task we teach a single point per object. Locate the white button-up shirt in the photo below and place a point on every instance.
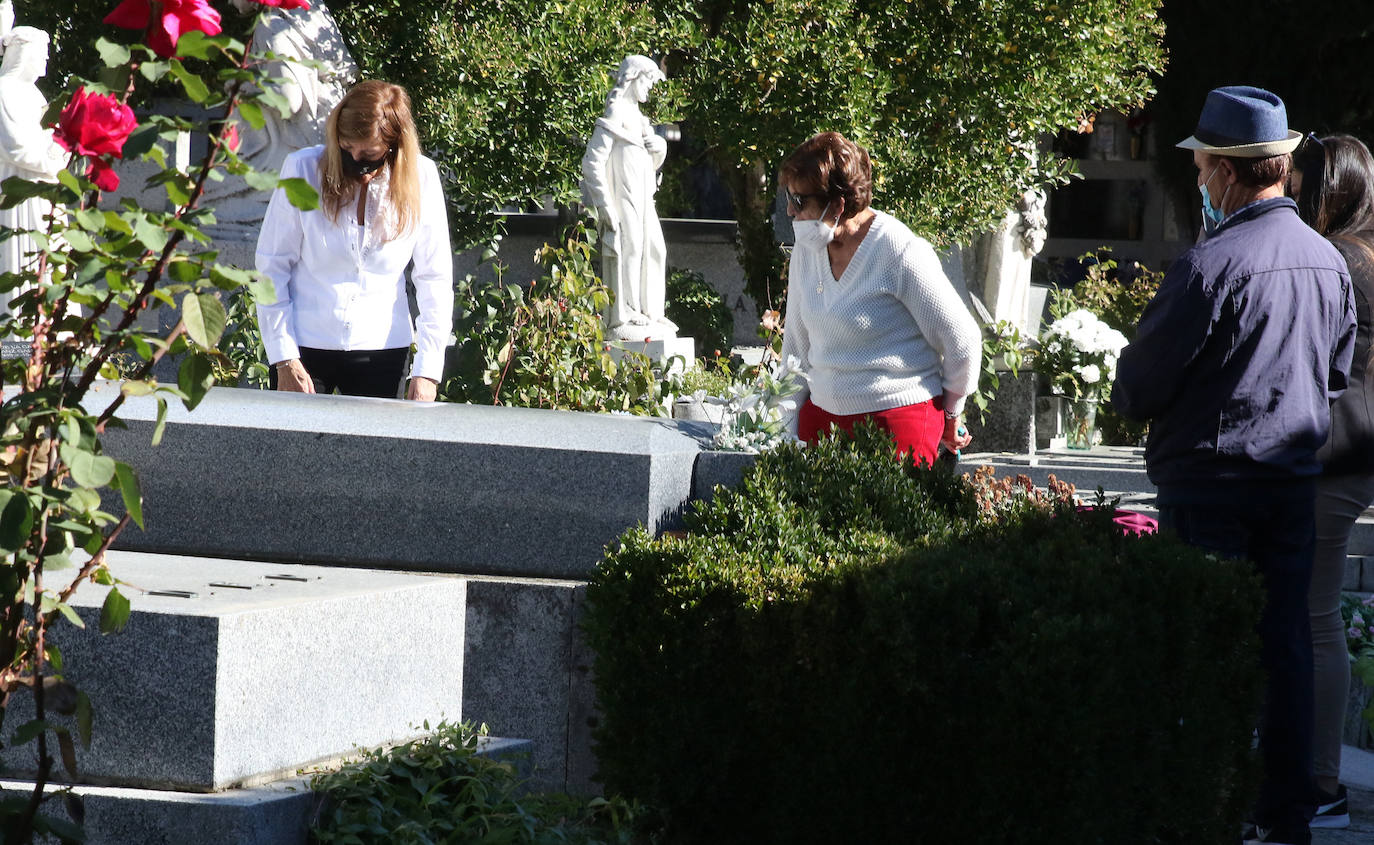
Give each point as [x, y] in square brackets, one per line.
[342, 286]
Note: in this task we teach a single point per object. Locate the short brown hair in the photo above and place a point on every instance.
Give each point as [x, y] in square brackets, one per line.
[1262, 172]
[833, 166]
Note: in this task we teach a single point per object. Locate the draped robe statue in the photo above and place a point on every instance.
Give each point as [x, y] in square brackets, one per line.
[27, 150]
[619, 179]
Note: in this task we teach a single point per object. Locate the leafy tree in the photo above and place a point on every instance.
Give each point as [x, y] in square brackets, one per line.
[950, 96]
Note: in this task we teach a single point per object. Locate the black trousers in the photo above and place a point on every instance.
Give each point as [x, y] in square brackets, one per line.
[1273, 526]
[359, 372]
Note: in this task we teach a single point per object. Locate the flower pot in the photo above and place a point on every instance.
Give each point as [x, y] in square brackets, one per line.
[1080, 423]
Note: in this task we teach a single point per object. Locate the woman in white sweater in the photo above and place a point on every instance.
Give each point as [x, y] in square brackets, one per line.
[871, 316]
[341, 319]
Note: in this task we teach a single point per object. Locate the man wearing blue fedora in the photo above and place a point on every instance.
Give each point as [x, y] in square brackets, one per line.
[1235, 363]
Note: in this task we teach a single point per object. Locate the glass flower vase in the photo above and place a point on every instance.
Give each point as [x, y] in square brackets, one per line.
[1080, 423]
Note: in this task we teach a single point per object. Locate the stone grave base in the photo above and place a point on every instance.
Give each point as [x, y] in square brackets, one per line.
[278, 813]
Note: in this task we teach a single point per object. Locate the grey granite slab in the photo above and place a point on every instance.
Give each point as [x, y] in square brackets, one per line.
[393, 484]
[719, 468]
[233, 672]
[520, 676]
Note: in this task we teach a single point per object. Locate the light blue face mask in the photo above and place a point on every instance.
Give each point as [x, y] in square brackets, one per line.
[1211, 215]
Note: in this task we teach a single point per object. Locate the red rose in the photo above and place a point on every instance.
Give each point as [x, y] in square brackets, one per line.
[230, 138]
[104, 177]
[95, 124]
[172, 19]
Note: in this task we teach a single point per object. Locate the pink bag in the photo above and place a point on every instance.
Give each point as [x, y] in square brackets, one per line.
[1129, 522]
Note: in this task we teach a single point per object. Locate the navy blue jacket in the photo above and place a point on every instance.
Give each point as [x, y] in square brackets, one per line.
[1239, 355]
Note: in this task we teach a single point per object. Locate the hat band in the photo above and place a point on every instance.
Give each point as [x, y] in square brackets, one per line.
[1216, 139]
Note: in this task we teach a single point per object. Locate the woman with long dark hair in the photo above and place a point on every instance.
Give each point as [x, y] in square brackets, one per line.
[1333, 182]
[341, 319]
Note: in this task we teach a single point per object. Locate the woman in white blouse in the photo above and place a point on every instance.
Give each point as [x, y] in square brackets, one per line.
[871, 317]
[341, 319]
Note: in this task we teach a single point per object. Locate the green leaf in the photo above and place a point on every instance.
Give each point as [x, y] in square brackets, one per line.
[112, 54]
[205, 318]
[78, 240]
[195, 45]
[195, 87]
[28, 732]
[195, 378]
[67, 749]
[153, 237]
[84, 717]
[15, 190]
[138, 388]
[87, 468]
[141, 141]
[262, 180]
[153, 71]
[114, 613]
[160, 425]
[71, 615]
[130, 490]
[252, 113]
[300, 193]
[16, 520]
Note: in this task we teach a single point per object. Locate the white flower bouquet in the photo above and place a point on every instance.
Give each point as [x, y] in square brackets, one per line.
[1078, 355]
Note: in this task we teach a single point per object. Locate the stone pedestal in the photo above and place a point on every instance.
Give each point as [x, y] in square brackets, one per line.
[1010, 424]
[659, 350]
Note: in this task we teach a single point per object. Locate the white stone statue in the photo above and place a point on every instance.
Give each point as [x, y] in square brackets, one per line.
[312, 93]
[1004, 259]
[619, 178]
[27, 150]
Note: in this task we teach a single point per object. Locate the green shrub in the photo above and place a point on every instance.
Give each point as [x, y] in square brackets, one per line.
[848, 649]
[541, 346]
[700, 313]
[438, 790]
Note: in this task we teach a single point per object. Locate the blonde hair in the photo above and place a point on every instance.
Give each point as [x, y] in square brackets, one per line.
[373, 112]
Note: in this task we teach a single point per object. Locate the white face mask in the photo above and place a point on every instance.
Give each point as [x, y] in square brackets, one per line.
[814, 235]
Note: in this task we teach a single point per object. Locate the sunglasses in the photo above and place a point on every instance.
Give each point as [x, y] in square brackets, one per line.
[796, 201]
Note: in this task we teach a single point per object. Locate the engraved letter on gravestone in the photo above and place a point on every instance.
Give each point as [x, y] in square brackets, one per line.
[27, 150]
[312, 92]
[619, 178]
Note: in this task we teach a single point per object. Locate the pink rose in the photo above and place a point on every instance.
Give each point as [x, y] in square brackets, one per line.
[285, 4]
[172, 18]
[95, 124]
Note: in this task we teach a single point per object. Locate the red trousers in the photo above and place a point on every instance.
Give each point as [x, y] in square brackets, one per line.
[915, 429]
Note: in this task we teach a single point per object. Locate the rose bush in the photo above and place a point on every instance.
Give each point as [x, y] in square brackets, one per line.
[76, 304]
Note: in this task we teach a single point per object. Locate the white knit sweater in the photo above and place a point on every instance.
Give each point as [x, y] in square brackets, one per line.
[891, 331]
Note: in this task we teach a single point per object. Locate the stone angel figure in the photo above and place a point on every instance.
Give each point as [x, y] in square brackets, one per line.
[619, 179]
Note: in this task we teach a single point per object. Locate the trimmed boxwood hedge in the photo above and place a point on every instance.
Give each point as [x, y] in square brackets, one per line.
[845, 648]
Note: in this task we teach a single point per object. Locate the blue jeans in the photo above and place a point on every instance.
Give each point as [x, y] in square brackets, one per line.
[1272, 526]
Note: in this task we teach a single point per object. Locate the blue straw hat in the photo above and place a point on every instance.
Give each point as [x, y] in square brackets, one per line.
[1242, 121]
